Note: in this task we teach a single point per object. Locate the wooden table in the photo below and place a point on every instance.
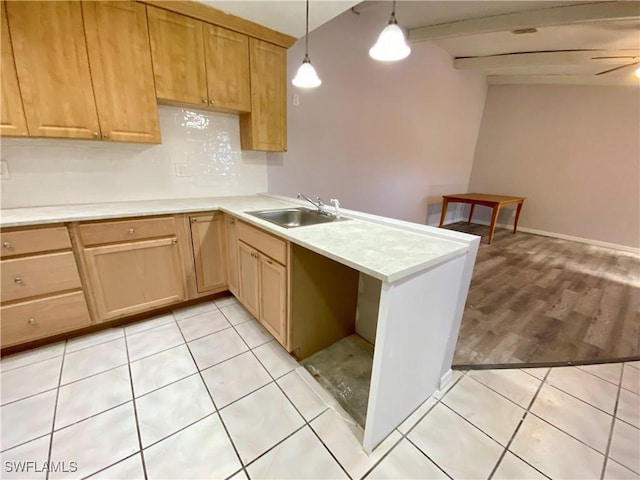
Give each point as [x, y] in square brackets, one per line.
[496, 202]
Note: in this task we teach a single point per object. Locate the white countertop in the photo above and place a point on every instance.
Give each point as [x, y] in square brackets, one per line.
[386, 252]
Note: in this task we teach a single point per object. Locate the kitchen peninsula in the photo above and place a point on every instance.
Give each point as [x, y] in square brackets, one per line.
[400, 286]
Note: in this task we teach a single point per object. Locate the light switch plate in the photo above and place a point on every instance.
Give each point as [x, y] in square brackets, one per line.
[4, 171]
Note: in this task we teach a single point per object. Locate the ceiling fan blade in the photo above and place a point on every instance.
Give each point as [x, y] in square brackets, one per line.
[630, 57]
[618, 68]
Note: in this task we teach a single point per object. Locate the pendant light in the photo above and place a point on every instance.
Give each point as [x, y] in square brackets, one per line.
[306, 76]
[391, 45]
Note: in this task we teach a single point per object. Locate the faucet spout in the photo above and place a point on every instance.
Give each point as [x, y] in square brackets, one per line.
[319, 204]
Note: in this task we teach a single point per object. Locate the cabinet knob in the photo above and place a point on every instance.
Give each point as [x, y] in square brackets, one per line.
[17, 280]
[232, 221]
[132, 231]
[31, 321]
[95, 135]
[105, 136]
[6, 244]
[205, 101]
[174, 241]
[211, 102]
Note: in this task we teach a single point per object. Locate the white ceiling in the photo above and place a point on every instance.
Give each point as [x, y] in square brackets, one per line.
[482, 30]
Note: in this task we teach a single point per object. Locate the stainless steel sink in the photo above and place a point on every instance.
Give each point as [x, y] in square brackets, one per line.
[295, 217]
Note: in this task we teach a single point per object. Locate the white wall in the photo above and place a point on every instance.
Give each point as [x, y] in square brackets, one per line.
[199, 156]
[573, 151]
[383, 138]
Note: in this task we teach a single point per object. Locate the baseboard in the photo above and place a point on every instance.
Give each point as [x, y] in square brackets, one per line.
[562, 236]
[445, 380]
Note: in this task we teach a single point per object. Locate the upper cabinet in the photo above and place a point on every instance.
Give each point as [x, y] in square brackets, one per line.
[265, 128]
[12, 120]
[198, 63]
[53, 68]
[120, 60]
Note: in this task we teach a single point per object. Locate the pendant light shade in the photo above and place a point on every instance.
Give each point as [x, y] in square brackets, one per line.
[391, 45]
[306, 77]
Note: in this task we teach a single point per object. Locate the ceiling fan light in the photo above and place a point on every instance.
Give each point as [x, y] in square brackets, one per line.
[391, 45]
[306, 77]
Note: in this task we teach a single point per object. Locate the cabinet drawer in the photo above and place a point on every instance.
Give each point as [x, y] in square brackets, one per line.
[126, 230]
[20, 242]
[38, 275]
[41, 318]
[274, 247]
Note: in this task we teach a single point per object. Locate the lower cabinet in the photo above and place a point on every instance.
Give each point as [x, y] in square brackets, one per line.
[131, 278]
[232, 254]
[272, 282]
[208, 241]
[248, 270]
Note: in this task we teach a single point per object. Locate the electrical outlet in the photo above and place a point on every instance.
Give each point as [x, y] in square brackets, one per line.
[4, 171]
[296, 100]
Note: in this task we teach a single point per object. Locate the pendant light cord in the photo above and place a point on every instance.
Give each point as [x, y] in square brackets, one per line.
[306, 37]
[392, 20]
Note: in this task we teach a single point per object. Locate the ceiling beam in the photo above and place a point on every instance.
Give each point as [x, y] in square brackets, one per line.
[574, 57]
[606, 80]
[545, 17]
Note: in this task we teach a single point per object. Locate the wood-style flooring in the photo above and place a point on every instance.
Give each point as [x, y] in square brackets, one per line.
[544, 301]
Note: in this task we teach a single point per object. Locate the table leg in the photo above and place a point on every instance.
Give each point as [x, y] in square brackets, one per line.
[494, 218]
[515, 223]
[444, 211]
[473, 205]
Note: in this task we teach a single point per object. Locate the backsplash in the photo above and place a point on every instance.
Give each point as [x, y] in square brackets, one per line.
[199, 156]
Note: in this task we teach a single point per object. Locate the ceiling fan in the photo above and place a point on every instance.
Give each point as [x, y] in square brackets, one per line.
[633, 62]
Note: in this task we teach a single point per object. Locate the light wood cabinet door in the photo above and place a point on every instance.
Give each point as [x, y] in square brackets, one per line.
[208, 240]
[120, 59]
[12, 120]
[232, 255]
[248, 277]
[227, 60]
[273, 297]
[51, 60]
[177, 51]
[135, 277]
[265, 128]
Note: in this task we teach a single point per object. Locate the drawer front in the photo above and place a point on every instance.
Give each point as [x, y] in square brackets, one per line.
[126, 230]
[21, 242]
[274, 247]
[38, 275]
[42, 318]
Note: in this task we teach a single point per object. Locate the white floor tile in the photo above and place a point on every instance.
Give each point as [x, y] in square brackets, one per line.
[493, 414]
[631, 380]
[97, 442]
[606, 371]
[301, 395]
[22, 359]
[253, 333]
[92, 339]
[259, 421]
[13, 461]
[415, 417]
[225, 301]
[344, 439]
[512, 468]
[194, 310]
[407, 462]
[625, 445]
[629, 407]
[87, 397]
[27, 419]
[615, 471]
[584, 386]
[573, 416]
[284, 461]
[161, 369]
[30, 379]
[128, 469]
[92, 360]
[236, 313]
[202, 450]
[164, 411]
[143, 325]
[635, 364]
[240, 476]
[275, 359]
[216, 348]
[203, 324]
[537, 372]
[153, 341]
[463, 451]
[555, 453]
[516, 385]
[230, 380]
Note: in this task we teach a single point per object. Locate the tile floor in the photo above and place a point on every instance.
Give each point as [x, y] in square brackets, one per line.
[206, 392]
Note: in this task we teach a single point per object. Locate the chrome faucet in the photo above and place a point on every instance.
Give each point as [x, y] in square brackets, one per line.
[319, 204]
[336, 204]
